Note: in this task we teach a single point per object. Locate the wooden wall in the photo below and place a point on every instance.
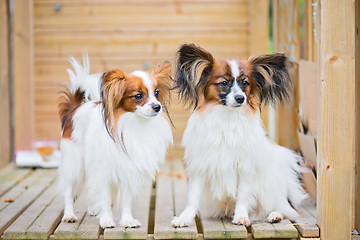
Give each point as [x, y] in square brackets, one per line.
[5, 133]
[134, 35]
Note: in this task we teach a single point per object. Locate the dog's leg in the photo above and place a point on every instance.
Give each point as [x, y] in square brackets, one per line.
[196, 187]
[127, 219]
[104, 202]
[99, 197]
[106, 216]
[69, 215]
[243, 204]
[68, 176]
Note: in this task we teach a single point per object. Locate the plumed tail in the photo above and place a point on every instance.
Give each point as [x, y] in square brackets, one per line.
[83, 87]
[81, 79]
[68, 103]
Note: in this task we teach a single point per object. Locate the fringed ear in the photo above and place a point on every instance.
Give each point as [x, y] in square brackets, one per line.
[162, 74]
[112, 90]
[272, 78]
[194, 65]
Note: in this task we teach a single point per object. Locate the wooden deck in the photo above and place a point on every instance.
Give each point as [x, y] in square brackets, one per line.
[30, 208]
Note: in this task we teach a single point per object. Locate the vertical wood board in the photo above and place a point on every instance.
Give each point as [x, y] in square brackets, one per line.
[23, 74]
[336, 147]
[5, 132]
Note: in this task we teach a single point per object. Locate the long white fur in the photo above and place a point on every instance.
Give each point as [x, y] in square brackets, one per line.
[235, 170]
[80, 78]
[100, 166]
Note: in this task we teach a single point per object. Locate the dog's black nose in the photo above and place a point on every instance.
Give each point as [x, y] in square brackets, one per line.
[239, 99]
[156, 107]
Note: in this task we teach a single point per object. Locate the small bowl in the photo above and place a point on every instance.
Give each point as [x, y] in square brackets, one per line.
[45, 147]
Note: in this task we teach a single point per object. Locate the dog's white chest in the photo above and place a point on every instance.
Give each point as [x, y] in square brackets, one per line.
[219, 144]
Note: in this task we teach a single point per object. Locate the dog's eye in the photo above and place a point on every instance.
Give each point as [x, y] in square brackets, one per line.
[245, 82]
[223, 83]
[138, 97]
[157, 93]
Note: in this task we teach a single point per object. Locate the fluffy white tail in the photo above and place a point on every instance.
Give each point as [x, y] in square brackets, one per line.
[80, 79]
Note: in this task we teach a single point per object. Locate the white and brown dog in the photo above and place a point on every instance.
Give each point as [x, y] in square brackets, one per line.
[115, 133]
[234, 169]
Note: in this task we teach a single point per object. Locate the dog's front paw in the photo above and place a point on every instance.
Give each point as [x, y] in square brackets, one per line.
[275, 217]
[70, 218]
[107, 222]
[241, 220]
[130, 223]
[180, 222]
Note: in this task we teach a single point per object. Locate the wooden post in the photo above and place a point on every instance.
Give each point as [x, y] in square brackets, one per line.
[259, 36]
[336, 134]
[357, 117]
[286, 40]
[23, 74]
[310, 18]
[5, 132]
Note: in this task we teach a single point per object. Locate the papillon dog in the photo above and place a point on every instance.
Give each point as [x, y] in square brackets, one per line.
[234, 169]
[115, 133]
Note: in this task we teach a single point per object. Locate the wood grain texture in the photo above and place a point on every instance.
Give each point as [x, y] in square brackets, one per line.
[29, 219]
[222, 228]
[23, 74]
[10, 176]
[336, 148]
[49, 219]
[24, 195]
[5, 132]
[284, 229]
[357, 116]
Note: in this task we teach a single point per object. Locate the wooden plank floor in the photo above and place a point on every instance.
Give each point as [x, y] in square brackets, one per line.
[30, 208]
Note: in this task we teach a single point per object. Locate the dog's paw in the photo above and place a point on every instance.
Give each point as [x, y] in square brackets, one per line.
[92, 212]
[275, 217]
[70, 218]
[130, 223]
[180, 222]
[107, 222]
[241, 220]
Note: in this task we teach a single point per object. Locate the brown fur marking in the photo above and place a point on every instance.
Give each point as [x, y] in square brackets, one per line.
[68, 104]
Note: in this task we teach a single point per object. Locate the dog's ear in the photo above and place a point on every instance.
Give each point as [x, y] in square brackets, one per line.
[162, 74]
[193, 67]
[112, 91]
[272, 77]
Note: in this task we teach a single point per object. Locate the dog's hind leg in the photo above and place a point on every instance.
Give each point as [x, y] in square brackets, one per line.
[68, 176]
